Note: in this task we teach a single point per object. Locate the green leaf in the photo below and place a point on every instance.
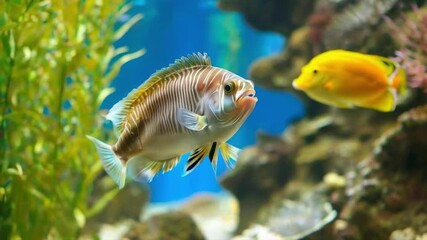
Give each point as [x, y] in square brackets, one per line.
[125, 28]
[104, 93]
[80, 217]
[119, 63]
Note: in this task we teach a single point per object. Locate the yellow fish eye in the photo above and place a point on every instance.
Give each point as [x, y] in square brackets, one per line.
[229, 87]
[315, 71]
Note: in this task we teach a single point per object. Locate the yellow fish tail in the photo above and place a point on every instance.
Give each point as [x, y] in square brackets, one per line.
[112, 163]
[402, 86]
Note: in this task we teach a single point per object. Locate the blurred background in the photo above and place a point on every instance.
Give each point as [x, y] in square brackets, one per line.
[169, 31]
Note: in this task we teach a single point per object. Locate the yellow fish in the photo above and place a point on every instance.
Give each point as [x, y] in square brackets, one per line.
[346, 79]
[188, 106]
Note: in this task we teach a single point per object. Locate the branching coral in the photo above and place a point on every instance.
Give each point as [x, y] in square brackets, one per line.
[350, 28]
[411, 35]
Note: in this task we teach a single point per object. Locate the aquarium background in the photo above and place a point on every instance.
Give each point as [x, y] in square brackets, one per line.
[169, 31]
[307, 170]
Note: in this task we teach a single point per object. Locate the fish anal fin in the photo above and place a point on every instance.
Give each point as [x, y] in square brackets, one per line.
[196, 157]
[213, 155]
[144, 170]
[385, 102]
[170, 164]
[229, 154]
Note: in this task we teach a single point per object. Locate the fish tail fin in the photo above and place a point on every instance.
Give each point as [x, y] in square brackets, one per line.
[111, 162]
[144, 170]
[398, 80]
[229, 154]
[402, 82]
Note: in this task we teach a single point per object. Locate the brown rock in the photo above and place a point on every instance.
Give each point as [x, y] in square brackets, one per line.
[260, 171]
[170, 226]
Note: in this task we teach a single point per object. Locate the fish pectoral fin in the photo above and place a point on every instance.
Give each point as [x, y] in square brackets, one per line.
[328, 86]
[196, 157]
[229, 154]
[191, 120]
[111, 162]
[144, 170]
[385, 102]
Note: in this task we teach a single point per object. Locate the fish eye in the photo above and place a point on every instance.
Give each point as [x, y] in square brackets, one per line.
[229, 87]
[315, 71]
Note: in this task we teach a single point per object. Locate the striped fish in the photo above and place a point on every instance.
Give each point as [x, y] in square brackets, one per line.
[188, 106]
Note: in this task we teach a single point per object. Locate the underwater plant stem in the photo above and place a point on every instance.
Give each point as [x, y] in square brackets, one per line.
[3, 135]
[62, 78]
[30, 3]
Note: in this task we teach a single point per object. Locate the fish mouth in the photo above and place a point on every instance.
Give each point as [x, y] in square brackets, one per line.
[250, 93]
[296, 85]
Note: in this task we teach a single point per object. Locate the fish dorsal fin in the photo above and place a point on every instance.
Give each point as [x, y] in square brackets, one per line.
[119, 113]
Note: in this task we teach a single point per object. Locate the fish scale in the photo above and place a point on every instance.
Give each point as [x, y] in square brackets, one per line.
[160, 121]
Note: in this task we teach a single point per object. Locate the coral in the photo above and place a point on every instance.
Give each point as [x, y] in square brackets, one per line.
[279, 16]
[174, 225]
[278, 71]
[298, 219]
[291, 219]
[330, 25]
[410, 36]
[350, 28]
[372, 166]
[391, 182]
[260, 171]
[406, 234]
[215, 215]
[57, 60]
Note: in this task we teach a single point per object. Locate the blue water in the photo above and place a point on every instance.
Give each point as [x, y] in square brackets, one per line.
[169, 31]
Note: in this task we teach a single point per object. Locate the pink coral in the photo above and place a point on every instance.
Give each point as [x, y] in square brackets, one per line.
[415, 69]
[411, 35]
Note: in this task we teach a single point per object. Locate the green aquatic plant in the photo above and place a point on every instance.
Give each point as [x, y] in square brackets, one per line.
[56, 61]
